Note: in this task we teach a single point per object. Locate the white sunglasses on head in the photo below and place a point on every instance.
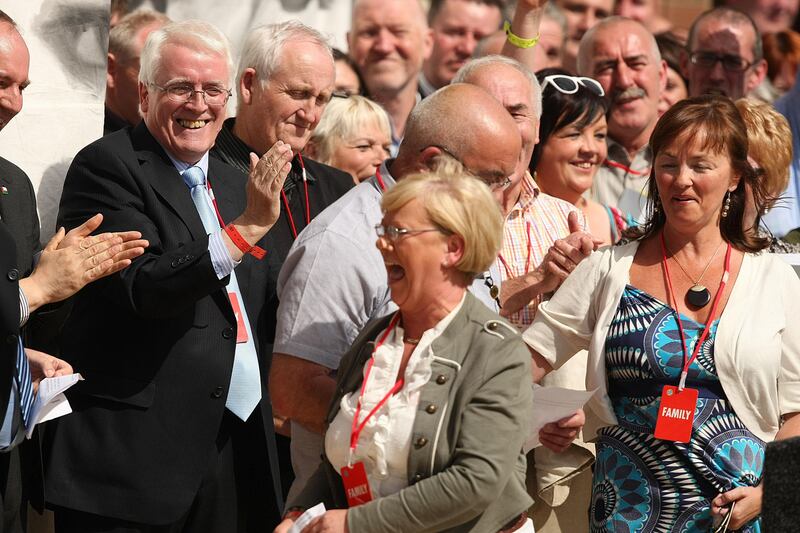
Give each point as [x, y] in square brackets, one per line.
[570, 84]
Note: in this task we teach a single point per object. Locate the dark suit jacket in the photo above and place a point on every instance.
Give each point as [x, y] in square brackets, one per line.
[18, 211]
[154, 342]
[9, 314]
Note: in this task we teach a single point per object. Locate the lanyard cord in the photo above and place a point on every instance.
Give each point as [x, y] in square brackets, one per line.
[356, 428]
[286, 207]
[628, 170]
[711, 315]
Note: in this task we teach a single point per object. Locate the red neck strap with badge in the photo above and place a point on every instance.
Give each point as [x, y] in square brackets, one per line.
[677, 407]
[378, 176]
[354, 476]
[527, 260]
[233, 233]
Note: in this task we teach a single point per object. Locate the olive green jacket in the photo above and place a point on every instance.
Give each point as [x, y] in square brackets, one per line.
[466, 469]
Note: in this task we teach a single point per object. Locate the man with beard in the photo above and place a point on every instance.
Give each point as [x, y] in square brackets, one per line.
[623, 56]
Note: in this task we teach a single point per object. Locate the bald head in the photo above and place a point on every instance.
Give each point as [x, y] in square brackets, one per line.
[14, 64]
[482, 135]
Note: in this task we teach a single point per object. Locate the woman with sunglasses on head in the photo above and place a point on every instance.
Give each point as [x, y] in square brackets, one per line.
[691, 338]
[572, 146]
[432, 403]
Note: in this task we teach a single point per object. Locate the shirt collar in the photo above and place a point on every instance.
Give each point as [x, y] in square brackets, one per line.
[182, 166]
[528, 193]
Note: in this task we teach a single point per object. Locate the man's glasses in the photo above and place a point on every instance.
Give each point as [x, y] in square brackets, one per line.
[494, 182]
[570, 84]
[182, 93]
[730, 62]
[393, 233]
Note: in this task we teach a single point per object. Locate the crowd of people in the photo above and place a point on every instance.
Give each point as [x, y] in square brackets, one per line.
[349, 291]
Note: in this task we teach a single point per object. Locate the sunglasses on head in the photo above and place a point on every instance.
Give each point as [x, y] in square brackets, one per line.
[570, 84]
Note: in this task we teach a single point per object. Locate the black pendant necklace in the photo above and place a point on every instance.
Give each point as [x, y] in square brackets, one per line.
[697, 295]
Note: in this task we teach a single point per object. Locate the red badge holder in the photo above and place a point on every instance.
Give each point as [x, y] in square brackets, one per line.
[356, 484]
[676, 414]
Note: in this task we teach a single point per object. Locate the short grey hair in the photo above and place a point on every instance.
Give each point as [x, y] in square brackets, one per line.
[196, 34]
[122, 37]
[730, 16]
[264, 46]
[474, 65]
[587, 42]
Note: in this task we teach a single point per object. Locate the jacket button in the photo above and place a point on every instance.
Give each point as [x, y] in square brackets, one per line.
[441, 379]
[416, 478]
[11, 339]
[13, 274]
[420, 442]
[492, 326]
[430, 409]
[227, 333]
[189, 257]
[182, 260]
[174, 263]
[217, 393]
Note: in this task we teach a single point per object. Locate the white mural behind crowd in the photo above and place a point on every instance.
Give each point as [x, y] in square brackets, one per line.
[68, 42]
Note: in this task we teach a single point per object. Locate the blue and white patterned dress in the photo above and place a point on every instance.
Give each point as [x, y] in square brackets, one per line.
[645, 484]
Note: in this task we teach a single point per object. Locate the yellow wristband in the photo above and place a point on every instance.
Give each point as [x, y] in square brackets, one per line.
[516, 40]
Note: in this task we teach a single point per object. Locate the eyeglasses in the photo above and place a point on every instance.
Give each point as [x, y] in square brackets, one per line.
[182, 93]
[393, 233]
[570, 84]
[492, 181]
[730, 62]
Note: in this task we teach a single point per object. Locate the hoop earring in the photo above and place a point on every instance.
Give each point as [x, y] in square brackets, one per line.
[726, 205]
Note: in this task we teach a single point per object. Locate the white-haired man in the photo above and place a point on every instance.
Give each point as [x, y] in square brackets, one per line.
[623, 56]
[172, 428]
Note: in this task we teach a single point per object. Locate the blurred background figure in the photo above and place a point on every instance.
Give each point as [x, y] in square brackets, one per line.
[582, 15]
[348, 80]
[125, 42]
[647, 12]
[769, 15]
[353, 136]
[782, 52]
[457, 27]
[548, 52]
[724, 54]
[770, 149]
[572, 146]
[671, 48]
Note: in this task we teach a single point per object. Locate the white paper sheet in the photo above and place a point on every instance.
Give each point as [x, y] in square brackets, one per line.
[50, 401]
[551, 404]
[304, 519]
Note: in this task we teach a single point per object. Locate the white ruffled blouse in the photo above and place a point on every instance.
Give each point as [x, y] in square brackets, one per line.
[385, 441]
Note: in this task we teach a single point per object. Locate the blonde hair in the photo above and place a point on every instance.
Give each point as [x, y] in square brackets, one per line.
[769, 138]
[343, 119]
[457, 204]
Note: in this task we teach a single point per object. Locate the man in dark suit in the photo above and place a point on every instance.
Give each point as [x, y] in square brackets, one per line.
[172, 429]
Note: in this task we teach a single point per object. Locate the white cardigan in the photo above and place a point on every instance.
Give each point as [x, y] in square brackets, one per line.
[756, 349]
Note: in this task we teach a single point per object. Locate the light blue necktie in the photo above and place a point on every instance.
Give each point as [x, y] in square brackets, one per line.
[245, 386]
[24, 385]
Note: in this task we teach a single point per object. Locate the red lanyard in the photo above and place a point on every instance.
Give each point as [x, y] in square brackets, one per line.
[214, 201]
[286, 201]
[356, 429]
[380, 180]
[711, 315]
[628, 170]
[527, 261]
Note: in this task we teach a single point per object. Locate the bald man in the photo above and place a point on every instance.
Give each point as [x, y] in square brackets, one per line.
[623, 56]
[334, 281]
[389, 40]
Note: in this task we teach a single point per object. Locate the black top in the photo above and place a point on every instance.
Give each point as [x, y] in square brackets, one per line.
[325, 185]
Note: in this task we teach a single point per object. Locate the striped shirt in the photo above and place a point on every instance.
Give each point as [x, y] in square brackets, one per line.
[530, 229]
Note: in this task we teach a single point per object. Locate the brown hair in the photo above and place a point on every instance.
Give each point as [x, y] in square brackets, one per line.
[779, 48]
[715, 120]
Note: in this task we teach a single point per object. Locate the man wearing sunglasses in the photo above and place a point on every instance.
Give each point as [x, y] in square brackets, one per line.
[724, 54]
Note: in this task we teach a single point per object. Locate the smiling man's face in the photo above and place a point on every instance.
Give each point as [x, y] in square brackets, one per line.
[186, 129]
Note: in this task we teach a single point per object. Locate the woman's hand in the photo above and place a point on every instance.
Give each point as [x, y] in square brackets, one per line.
[285, 525]
[331, 522]
[748, 505]
[558, 436]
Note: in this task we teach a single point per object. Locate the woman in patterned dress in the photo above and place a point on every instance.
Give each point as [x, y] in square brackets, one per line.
[691, 273]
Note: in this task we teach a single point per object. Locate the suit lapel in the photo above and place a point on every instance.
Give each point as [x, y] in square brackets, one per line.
[5, 204]
[229, 189]
[165, 179]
